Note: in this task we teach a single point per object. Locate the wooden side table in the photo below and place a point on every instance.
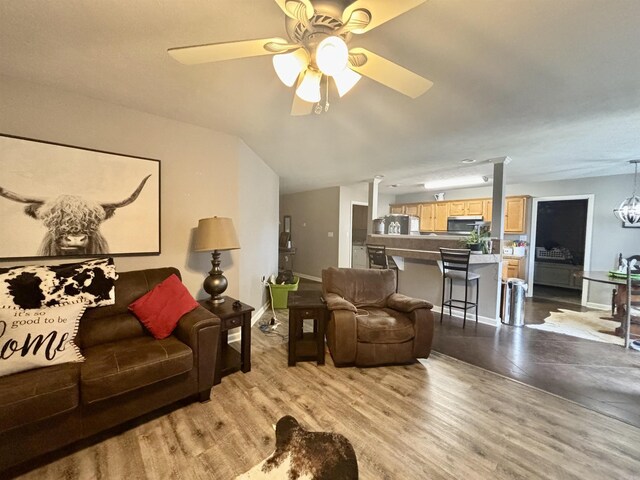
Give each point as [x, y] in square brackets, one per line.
[306, 305]
[228, 359]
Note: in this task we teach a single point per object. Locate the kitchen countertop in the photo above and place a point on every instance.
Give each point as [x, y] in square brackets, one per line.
[426, 247]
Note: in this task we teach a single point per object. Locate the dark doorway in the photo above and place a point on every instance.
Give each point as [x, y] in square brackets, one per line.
[560, 249]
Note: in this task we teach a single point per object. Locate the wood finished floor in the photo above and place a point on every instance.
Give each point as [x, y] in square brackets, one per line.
[441, 419]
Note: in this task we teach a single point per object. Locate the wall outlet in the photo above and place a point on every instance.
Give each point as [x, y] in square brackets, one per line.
[330, 234]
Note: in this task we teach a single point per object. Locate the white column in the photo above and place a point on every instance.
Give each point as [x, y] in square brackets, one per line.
[373, 202]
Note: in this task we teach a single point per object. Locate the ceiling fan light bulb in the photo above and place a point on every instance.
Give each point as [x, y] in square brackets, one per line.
[309, 88]
[346, 80]
[289, 65]
[332, 55]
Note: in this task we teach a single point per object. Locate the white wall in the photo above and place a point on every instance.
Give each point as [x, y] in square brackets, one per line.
[257, 226]
[358, 192]
[201, 172]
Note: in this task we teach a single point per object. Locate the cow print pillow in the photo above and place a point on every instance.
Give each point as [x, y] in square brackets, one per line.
[36, 286]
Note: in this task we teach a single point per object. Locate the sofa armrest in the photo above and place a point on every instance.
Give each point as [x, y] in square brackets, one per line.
[405, 304]
[200, 329]
[336, 302]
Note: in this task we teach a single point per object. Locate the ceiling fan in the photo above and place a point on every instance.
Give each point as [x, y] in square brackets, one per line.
[319, 35]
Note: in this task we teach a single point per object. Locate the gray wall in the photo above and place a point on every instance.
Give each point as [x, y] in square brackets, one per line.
[201, 174]
[314, 214]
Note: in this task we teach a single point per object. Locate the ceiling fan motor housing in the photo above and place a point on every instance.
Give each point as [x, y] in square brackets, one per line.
[325, 21]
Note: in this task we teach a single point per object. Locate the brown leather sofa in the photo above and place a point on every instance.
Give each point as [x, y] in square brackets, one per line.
[369, 323]
[127, 373]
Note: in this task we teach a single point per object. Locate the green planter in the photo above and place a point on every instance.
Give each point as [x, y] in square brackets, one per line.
[279, 293]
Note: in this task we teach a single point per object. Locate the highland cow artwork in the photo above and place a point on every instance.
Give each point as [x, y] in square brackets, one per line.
[57, 200]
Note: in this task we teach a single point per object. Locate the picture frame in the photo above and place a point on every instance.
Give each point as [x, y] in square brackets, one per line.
[59, 200]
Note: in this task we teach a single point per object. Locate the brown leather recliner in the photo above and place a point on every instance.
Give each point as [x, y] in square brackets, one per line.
[369, 323]
[127, 373]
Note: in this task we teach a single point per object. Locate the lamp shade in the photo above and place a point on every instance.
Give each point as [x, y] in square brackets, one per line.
[215, 233]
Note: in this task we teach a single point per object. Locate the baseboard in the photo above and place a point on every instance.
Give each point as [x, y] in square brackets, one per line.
[308, 277]
[598, 306]
[235, 337]
[470, 316]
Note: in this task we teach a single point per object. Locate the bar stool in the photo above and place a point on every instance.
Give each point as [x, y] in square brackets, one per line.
[378, 258]
[455, 266]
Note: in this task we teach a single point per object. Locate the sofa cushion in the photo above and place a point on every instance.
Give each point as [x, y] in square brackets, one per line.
[161, 308]
[36, 338]
[28, 397]
[378, 325]
[115, 368]
[34, 286]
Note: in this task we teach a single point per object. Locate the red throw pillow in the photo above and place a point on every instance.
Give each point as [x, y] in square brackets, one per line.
[160, 309]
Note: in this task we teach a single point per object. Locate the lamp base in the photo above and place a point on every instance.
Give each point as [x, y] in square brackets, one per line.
[216, 283]
[216, 300]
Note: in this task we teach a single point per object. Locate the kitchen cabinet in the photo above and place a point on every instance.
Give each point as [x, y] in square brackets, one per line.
[487, 210]
[511, 268]
[515, 214]
[457, 209]
[433, 216]
[359, 257]
[412, 210]
[427, 217]
[474, 207]
[441, 216]
[465, 208]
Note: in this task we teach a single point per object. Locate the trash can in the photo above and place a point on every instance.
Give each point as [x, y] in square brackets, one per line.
[513, 295]
[279, 293]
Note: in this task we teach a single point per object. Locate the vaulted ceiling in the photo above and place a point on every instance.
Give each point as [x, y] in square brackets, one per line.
[553, 84]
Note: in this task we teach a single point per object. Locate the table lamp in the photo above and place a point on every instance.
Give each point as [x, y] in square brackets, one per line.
[214, 235]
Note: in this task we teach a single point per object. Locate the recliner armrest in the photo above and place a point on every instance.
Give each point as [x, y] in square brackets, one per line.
[336, 302]
[405, 304]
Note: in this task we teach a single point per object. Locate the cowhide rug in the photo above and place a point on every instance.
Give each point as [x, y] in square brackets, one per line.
[594, 325]
[303, 455]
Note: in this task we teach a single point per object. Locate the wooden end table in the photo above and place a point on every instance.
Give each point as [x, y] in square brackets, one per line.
[228, 359]
[306, 305]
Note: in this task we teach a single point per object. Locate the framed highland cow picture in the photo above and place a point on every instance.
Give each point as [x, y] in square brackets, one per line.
[64, 201]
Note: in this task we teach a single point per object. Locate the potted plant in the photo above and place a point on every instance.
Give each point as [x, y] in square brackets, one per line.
[478, 240]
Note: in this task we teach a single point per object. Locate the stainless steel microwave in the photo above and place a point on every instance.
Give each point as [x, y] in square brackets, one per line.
[462, 225]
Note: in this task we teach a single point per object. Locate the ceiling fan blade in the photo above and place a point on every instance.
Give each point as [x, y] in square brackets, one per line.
[299, 107]
[379, 12]
[388, 73]
[296, 9]
[216, 52]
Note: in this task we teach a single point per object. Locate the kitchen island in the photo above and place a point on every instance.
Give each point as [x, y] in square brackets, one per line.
[420, 276]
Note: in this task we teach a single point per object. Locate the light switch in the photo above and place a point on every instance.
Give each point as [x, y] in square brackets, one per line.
[330, 234]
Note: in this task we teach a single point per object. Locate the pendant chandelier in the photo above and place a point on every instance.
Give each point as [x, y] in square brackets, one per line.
[629, 210]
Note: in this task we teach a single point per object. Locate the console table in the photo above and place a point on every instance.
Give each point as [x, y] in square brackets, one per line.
[228, 359]
[306, 305]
